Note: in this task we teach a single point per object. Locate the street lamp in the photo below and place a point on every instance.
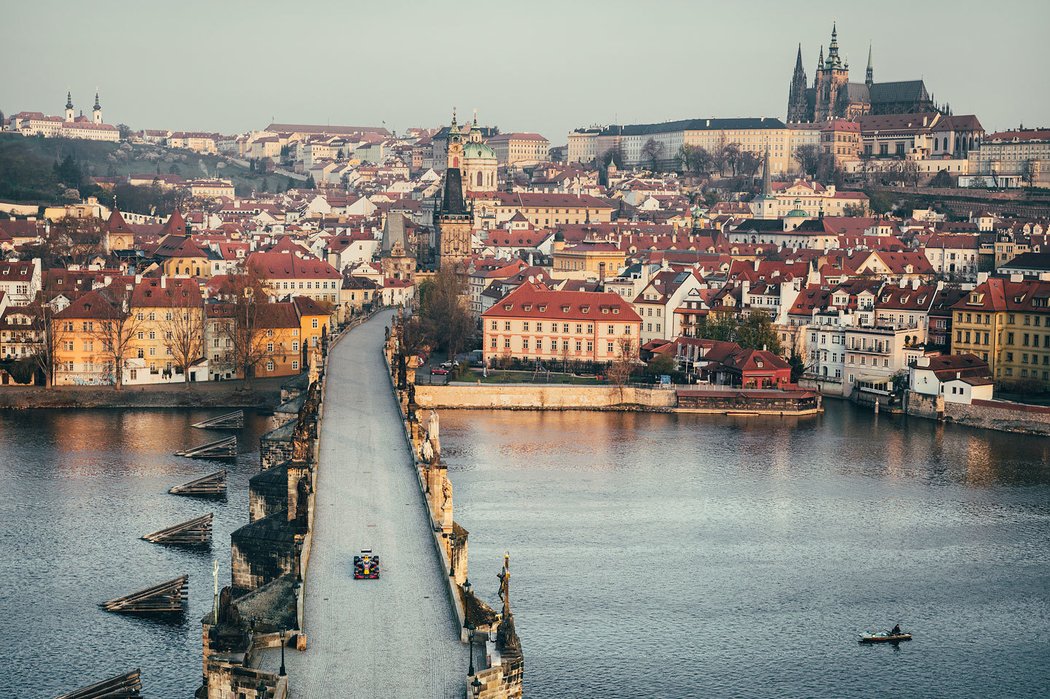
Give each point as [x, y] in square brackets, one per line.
[470, 638]
[260, 690]
[475, 688]
[282, 671]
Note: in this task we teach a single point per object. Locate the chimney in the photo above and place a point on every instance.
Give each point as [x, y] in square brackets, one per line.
[163, 282]
[601, 275]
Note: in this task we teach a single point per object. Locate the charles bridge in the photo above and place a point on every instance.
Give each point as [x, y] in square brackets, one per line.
[354, 467]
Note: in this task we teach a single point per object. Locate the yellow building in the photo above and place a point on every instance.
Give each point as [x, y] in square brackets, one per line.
[584, 260]
[281, 333]
[85, 333]
[314, 321]
[181, 257]
[168, 328]
[1007, 323]
[544, 210]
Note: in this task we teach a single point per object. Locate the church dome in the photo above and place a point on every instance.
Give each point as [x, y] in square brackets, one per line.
[478, 151]
[797, 213]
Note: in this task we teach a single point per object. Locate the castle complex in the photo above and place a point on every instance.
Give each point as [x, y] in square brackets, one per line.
[833, 96]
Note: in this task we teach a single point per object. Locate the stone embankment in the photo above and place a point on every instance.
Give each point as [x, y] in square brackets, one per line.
[715, 400]
[1003, 416]
[263, 393]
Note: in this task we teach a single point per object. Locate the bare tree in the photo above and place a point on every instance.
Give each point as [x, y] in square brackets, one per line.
[1028, 172]
[694, 159]
[652, 151]
[246, 333]
[48, 333]
[622, 365]
[183, 329]
[808, 159]
[115, 329]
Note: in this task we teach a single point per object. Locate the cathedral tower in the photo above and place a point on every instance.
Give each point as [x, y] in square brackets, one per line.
[797, 107]
[832, 80]
[454, 223]
[869, 73]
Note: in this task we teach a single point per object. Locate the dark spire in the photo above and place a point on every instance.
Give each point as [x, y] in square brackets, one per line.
[452, 202]
[97, 105]
[833, 49]
[869, 74]
[797, 112]
[69, 100]
[767, 185]
[820, 59]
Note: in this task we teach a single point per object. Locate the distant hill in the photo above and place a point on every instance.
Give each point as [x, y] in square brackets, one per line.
[28, 171]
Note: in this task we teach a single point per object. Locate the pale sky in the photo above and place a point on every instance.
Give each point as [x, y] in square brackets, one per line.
[532, 65]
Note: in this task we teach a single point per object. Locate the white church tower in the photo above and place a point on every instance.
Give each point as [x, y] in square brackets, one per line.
[69, 107]
[96, 113]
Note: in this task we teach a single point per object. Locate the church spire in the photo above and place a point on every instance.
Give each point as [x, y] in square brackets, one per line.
[797, 112]
[97, 105]
[820, 59]
[69, 100]
[767, 185]
[869, 74]
[833, 48]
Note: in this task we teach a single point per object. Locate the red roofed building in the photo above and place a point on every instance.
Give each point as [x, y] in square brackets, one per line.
[536, 323]
[284, 273]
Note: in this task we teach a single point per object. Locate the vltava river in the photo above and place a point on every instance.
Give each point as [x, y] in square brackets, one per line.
[79, 489]
[698, 556]
[653, 555]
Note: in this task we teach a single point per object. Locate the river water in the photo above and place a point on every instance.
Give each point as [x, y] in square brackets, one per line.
[662, 555]
[79, 489]
[652, 555]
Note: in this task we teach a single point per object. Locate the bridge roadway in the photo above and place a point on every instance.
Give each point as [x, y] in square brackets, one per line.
[392, 637]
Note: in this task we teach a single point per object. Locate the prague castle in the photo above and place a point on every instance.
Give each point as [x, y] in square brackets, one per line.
[833, 96]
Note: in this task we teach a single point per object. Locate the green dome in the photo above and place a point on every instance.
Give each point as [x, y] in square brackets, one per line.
[797, 213]
[473, 151]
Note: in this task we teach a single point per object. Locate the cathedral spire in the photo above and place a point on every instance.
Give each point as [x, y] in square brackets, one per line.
[820, 59]
[833, 48]
[869, 74]
[797, 107]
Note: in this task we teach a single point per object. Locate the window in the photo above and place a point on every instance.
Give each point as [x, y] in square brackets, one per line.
[506, 342]
[269, 347]
[269, 365]
[506, 325]
[295, 364]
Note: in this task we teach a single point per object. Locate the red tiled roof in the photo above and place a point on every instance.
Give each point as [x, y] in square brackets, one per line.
[534, 301]
[285, 265]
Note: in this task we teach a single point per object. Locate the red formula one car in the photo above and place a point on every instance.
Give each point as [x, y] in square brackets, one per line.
[366, 565]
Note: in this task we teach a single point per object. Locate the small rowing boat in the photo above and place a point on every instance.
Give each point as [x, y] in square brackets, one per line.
[884, 637]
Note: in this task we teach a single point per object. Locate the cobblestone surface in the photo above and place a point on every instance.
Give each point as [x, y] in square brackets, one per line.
[392, 637]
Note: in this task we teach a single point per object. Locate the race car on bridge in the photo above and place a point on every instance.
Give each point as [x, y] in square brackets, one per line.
[366, 565]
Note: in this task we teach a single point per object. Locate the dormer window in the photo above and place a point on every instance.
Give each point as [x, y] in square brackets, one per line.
[585, 309]
[508, 306]
[543, 308]
[527, 307]
[616, 310]
[564, 309]
[975, 298]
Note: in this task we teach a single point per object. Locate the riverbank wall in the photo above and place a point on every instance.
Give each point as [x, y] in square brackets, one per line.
[543, 397]
[1003, 416]
[709, 400]
[264, 393]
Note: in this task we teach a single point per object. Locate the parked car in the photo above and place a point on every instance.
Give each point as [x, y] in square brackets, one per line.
[438, 370]
[366, 565]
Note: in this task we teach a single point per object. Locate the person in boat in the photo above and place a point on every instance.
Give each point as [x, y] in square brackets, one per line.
[896, 630]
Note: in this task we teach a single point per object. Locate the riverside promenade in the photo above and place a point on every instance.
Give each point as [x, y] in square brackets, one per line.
[392, 637]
